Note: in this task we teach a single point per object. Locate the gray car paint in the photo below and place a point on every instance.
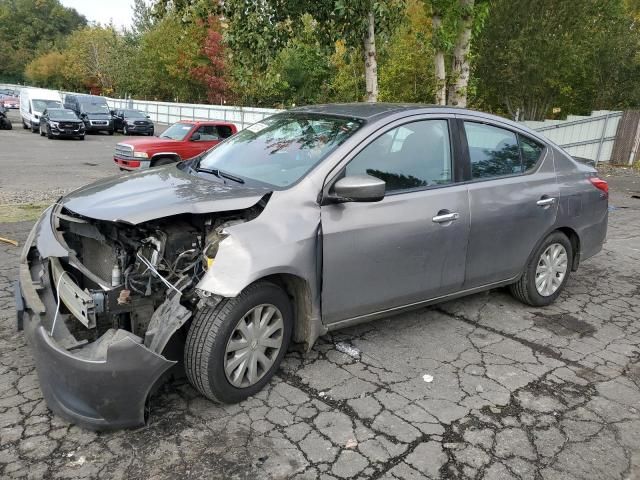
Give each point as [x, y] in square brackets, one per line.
[316, 248]
[162, 192]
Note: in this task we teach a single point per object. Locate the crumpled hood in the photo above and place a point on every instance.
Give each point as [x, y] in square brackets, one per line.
[157, 193]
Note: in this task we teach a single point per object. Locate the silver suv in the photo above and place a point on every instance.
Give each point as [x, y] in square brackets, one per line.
[311, 220]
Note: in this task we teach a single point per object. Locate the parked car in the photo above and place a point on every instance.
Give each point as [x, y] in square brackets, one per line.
[93, 110]
[5, 123]
[61, 123]
[34, 101]
[11, 102]
[181, 141]
[132, 122]
[311, 220]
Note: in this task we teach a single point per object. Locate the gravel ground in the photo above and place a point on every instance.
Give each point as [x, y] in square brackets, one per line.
[481, 387]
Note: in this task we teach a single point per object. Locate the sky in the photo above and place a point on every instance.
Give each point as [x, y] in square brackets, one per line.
[102, 11]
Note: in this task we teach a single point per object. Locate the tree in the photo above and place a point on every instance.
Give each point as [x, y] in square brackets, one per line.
[534, 55]
[406, 72]
[212, 71]
[143, 18]
[47, 70]
[92, 55]
[454, 22]
[263, 27]
[28, 27]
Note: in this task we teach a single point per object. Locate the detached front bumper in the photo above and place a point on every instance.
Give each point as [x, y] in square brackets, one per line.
[99, 385]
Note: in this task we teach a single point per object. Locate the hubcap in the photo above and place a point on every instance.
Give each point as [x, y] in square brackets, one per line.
[551, 270]
[254, 345]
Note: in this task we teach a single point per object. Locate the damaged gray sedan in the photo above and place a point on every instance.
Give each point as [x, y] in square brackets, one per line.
[311, 220]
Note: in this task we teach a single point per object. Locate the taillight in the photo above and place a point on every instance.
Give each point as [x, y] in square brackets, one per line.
[600, 184]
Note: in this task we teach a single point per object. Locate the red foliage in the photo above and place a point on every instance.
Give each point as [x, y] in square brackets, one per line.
[212, 75]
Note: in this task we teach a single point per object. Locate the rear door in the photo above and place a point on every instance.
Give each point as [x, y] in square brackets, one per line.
[409, 247]
[513, 199]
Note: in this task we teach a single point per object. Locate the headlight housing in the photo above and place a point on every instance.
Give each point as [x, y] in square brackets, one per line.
[53, 124]
[140, 155]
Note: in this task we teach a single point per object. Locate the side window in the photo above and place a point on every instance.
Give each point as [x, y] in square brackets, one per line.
[494, 152]
[531, 151]
[414, 155]
[224, 131]
[208, 133]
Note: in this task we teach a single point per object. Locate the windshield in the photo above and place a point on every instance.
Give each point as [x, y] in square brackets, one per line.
[94, 108]
[133, 114]
[281, 149]
[42, 105]
[177, 131]
[62, 114]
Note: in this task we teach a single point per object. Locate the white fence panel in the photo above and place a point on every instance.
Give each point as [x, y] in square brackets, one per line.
[590, 137]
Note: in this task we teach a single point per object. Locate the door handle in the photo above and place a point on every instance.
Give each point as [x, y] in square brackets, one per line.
[446, 217]
[543, 202]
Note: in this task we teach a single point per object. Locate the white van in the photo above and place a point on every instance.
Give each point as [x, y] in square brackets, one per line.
[33, 101]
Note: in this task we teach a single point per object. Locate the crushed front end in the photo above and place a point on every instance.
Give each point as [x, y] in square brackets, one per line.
[101, 304]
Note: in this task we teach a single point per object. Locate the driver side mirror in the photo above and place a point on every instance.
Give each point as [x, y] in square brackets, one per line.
[195, 137]
[358, 188]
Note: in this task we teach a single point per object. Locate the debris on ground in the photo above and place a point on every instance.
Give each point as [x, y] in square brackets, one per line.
[351, 443]
[427, 378]
[8, 240]
[348, 350]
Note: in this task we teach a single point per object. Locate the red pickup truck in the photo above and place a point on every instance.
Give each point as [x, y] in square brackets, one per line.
[181, 141]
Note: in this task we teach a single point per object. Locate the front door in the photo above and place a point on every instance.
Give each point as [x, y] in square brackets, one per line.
[409, 247]
[513, 196]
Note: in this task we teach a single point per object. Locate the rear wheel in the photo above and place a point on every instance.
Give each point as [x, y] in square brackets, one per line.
[233, 349]
[547, 272]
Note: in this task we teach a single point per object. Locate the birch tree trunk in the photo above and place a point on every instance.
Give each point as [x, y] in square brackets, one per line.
[370, 60]
[460, 64]
[440, 71]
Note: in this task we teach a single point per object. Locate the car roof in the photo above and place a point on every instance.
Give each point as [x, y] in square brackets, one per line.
[376, 111]
[204, 122]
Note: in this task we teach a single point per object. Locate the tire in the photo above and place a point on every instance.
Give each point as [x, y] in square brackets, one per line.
[81, 137]
[110, 132]
[34, 129]
[205, 351]
[24, 125]
[525, 289]
[49, 136]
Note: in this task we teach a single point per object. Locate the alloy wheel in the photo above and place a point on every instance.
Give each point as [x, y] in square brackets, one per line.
[551, 269]
[254, 345]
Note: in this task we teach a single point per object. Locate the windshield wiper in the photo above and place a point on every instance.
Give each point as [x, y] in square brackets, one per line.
[220, 174]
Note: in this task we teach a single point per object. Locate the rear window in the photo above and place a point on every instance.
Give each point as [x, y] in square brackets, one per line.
[497, 152]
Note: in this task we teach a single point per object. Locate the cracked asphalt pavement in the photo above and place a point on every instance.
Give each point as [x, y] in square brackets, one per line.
[481, 387]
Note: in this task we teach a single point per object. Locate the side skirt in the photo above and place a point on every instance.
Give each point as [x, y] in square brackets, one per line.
[414, 306]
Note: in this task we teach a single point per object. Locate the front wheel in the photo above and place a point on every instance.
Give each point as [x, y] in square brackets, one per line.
[547, 272]
[110, 132]
[233, 349]
[34, 129]
[41, 131]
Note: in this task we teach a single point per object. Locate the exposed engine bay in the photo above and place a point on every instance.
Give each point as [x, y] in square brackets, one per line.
[128, 271]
